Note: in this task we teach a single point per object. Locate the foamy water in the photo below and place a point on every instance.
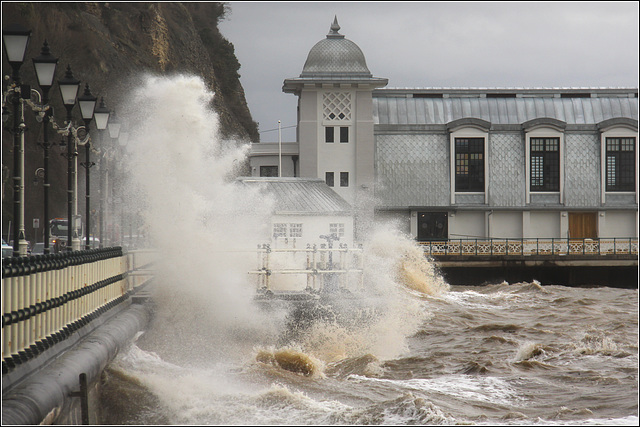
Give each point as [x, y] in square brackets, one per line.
[411, 350]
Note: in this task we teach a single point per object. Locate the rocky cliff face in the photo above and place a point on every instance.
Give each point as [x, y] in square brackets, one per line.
[107, 45]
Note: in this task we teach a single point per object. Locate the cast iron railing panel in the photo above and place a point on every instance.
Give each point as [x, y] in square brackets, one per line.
[504, 247]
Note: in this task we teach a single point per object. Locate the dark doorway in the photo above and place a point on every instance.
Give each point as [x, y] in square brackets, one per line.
[433, 226]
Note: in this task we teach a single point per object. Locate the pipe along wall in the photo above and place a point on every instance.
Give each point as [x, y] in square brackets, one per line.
[64, 315]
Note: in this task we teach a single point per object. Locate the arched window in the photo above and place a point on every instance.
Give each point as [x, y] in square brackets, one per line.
[468, 147]
[544, 147]
[619, 162]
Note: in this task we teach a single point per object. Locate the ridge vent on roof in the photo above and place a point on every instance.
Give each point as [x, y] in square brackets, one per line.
[501, 95]
[427, 95]
[576, 95]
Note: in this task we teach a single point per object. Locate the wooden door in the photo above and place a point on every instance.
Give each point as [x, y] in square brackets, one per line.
[583, 225]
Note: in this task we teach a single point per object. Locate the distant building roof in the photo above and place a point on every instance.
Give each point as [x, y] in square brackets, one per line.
[439, 106]
[302, 196]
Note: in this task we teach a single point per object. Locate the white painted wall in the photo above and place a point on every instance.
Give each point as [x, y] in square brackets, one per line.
[313, 227]
[503, 225]
[308, 133]
[617, 224]
[543, 225]
[337, 156]
[466, 225]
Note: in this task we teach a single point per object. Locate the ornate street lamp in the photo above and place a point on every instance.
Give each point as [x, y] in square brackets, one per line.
[69, 86]
[103, 119]
[87, 104]
[123, 142]
[45, 66]
[113, 127]
[15, 39]
[102, 115]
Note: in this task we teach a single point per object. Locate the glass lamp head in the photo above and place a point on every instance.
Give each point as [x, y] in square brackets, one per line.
[45, 65]
[69, 86]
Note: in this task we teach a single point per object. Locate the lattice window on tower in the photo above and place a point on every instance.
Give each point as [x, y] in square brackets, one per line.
[336, 106]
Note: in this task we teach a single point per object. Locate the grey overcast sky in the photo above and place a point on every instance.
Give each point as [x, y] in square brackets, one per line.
[434, 44]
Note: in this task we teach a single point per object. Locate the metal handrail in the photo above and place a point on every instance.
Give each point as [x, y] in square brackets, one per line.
[536, 246]
[320, 266]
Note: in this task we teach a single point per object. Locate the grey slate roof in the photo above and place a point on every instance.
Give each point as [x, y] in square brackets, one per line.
[335, 56]
[334, 59]
[302, 196]
[574, 106]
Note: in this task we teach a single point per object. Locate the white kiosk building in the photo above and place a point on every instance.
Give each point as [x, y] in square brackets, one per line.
[304, 210]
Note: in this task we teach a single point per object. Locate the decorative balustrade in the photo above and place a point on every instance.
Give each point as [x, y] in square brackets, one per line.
[470, 247]
[46, 298]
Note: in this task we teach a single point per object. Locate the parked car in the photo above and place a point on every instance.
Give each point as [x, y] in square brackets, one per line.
[38, 249]
[7, 251]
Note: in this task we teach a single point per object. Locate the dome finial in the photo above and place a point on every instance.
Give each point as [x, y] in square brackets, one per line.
[334, 29]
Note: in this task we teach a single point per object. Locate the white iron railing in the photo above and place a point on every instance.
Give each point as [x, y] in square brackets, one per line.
[470, 247]
[45, 298]
[311, 269]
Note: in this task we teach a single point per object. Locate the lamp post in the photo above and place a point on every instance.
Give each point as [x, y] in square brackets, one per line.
[69, 86]
[87, 104]
[123, 141]
[101, 115]
[15, 39]
[45, 67]
[114, 127]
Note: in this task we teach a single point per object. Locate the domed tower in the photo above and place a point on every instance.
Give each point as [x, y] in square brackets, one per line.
[335, 115]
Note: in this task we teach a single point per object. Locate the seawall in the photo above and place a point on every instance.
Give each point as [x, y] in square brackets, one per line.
[615, 272]
[47, 392]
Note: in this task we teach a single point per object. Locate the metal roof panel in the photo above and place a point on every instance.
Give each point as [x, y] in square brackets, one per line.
[392, 108]
[300, 195]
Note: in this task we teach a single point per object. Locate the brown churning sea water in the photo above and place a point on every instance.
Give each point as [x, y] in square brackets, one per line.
[500, 354]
